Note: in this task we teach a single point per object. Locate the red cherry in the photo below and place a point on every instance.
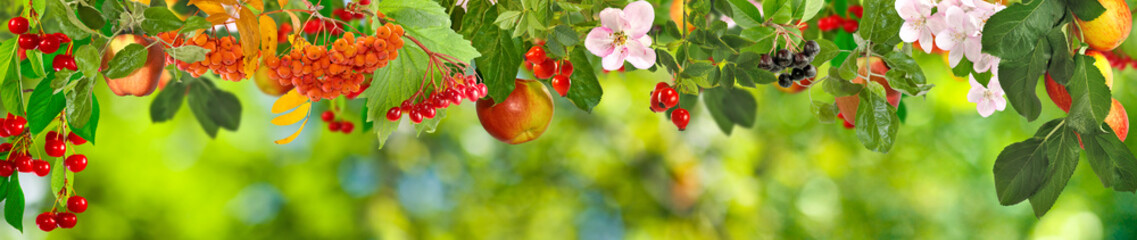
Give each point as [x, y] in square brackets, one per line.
[680, 117]
[18, 25]
[16, 126]
[334, 126]
[347, 127]
[850, 26]
[566, 68]
[55, 147]
[416, 117]
[545, 69]
[328, 116]
[6, 168]
[64, 61]
[77, 204]
[394, 114]
[5, 147]
[51, 135]
[24, 164]
[66, 220]
[49, 44]
[76, 163]
[4, 128]
[63, 38]
[857, 11]
[536, 55]
[313, 27]
[364, 2]
[668, 97]
[46, 221]
[75, 139]
[41, 167]
[561, 84]
[29, 41]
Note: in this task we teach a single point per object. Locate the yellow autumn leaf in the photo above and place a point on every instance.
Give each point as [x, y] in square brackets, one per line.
[282, 3]
[290, 100]
[268, 35]
[249, 28]
[296, 26]
[293, 117]
[256, 4]
[209, 7]
[218, 18]
[294, 135]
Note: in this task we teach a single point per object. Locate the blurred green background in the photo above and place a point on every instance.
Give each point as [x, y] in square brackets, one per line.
[621, 172]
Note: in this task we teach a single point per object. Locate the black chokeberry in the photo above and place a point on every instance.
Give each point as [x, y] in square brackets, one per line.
[801, 59]
[809, 71]
[797, 74]
[785, 81]
[784, 58]
[766, 62]
[811, 48]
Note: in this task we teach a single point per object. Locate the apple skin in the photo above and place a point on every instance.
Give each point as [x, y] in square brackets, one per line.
[1118, 120]
[1061, 97]
[848, 104]
[522, 117]
[1108, 30]
[143, 81]
[269, 86]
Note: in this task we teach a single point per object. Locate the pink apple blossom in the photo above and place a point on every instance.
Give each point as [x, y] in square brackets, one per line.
[961, 38]
[988, 99]
[916, 15]
[623, 36]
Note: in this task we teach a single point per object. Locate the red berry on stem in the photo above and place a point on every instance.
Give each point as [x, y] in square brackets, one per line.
[49, 44]
[536, 55]
[64, 61]
[18, 25]
[851, 26]
[16, 126]
[77, 204]
[328, 116]
[24, 164]
[41, 167]
[483, 90]
[51, 135]
[668, 97]
[6, 168]
[416, 116]
[656, 106]
[394, 114]
[857, 11]
[5, 147]
[76, 163]
[313, 27]
[63, 38]
[46, 221]
[427, 112]
[66, 220]
[680, 117]
[29, 41]
[334, 126]
[545, 69]
[561, 84]
[348, 126]
[75, 139]
[566, 68]
[55, 147]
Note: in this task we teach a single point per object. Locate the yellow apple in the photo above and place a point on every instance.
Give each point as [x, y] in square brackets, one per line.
[1108, 30]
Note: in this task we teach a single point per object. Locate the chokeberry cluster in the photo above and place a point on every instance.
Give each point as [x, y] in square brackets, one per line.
[335, 125]
[422, 106]
[663, 98]
[544, 68]
[798, 64]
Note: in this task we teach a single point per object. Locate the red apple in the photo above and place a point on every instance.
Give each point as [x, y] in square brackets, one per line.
[142, 81]
[522, 117]
[848, 104]
[1061, 97]
[1109, 29]
[1118, 120]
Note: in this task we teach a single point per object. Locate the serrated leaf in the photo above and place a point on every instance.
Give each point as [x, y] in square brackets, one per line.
[1061, 66]
[1019, 78]
[825, 112]
[1090, 97]
[92, 18]
[1014, 31]
[168, 101]
[126, 61]
[88, 59]
[501, 57]
[1111, 160]
[747, 9]
[187, 53]
[811, 8]
[585, 91]
[44, 106]
[881, 23]
[828, 52]
[1086, 10]
[905, 75]
[88, 130]
[876, 121]
[1021, 168]
[159, 20]
[1062, 151]
[79, 102]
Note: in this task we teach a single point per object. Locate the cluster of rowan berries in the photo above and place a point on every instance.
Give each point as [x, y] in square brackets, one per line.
[225, 56]
[459, 87]
[320, 73]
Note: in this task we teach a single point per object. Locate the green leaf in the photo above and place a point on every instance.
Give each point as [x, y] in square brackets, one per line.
[508, 20]
[501, 57]
[79, 99]
[40, 6]
[1020, 169]
[725, 76]
[160, 20]
[825, 112]
[848, 69]
[168, 101]
[11, 95]
[838, 87]
[92, 18]
[112, 10]
[88, 131]
[194, 23]
[740, 107]
[905, 75]
[1061, 66]
[44, 106]
[763, 38]
[714, 99]
[876, 121]
[664, 58]
[1087, 10]
[1111, 160]
[68, 22]
[697, 69]
[34, 63]
[810, 9]
[89, 60]
[964, 68]
[58, 175]
[748, 9]
[1089, 95]
[1062, 151]
[14, 205]
[1013, 32]
[777, 11]
[828, 52]
[200, 94]
[187, 53]
[1019, 77]
[736, 42]
[126, 61]
[881, 23]
[585, 91]
[8, 56]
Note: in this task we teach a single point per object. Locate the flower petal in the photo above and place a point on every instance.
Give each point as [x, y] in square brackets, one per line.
[985, 108]
[944, 40]
[600, 41]
[909, 32]
[638, 16]
[615, 60]
[613, 19]
[641, 56]
[954, 57]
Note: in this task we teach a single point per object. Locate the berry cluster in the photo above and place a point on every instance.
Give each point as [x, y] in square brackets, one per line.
[664, 98]
[320, 73]
[1120, 62]
[421, 106]
[344, 126]
[48, 221]
[797, 63]
[832, 22]
[543, 68]
[225, 56]
[44, 42]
